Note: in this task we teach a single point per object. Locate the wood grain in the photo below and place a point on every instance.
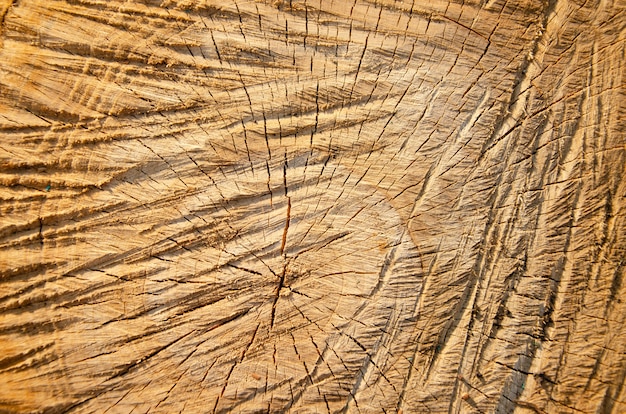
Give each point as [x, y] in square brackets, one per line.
[312, 206]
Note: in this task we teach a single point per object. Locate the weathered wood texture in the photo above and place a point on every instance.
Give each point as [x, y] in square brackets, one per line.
[314, 206]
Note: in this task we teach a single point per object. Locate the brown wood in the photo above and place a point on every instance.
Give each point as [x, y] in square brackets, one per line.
[312, 206]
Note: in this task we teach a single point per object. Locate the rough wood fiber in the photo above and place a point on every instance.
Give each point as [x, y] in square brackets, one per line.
[312, 206]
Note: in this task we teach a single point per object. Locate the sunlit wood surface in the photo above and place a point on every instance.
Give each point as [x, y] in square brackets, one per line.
[312, 206]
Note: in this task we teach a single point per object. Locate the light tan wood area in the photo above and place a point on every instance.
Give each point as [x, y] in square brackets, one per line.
[312, 206]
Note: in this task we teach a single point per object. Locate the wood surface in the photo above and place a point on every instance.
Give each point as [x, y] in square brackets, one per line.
[312, 206]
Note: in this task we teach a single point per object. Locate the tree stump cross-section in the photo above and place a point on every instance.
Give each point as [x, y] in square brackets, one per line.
[312, 206]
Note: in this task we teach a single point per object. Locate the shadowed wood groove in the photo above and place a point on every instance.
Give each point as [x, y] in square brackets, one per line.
[312, 206]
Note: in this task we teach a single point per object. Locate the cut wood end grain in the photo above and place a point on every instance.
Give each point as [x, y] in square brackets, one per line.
[311, 207]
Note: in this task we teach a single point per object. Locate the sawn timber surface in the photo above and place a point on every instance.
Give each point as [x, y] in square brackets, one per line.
[312, 206]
